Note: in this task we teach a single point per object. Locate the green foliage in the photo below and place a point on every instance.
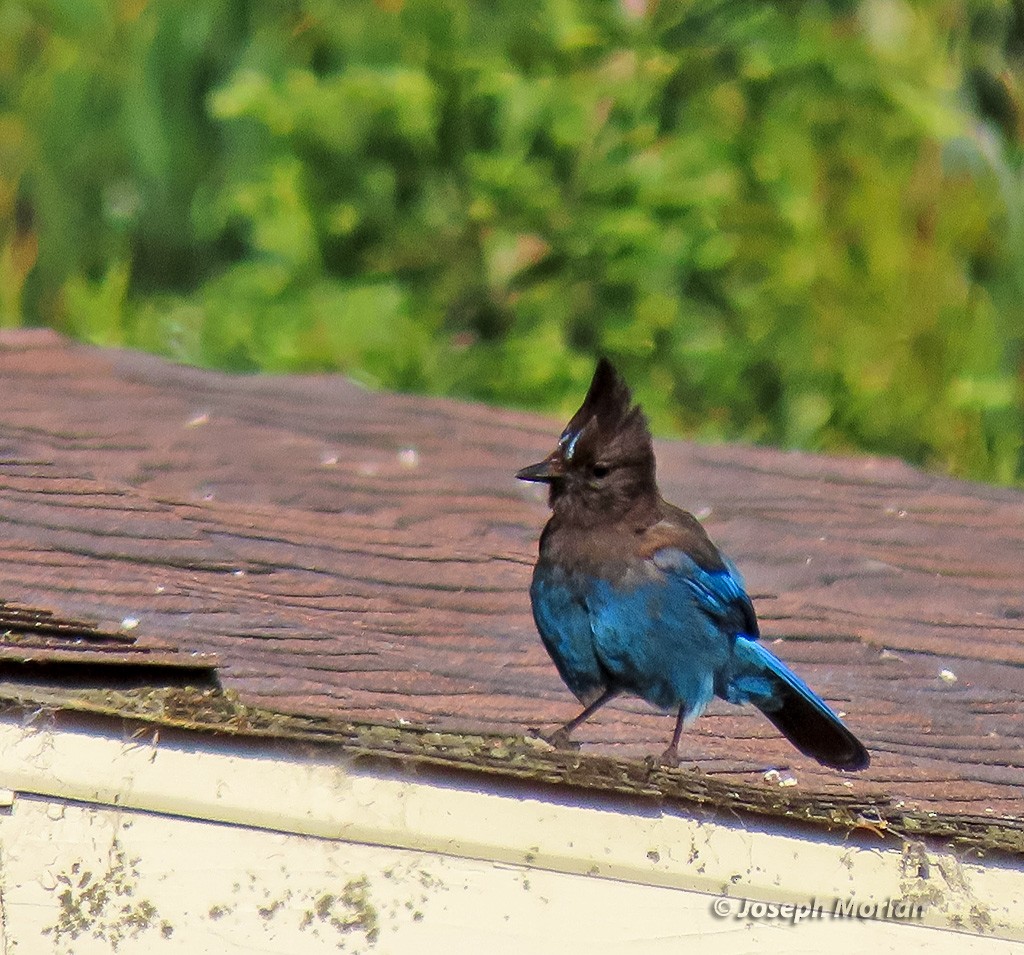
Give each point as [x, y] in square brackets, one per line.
[791, 223]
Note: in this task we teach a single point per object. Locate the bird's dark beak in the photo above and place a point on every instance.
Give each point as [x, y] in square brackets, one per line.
[543, 472]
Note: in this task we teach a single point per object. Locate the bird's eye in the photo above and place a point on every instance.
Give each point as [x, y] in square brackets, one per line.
[600, 470]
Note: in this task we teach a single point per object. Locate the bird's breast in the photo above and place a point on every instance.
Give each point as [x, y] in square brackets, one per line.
[595, 554]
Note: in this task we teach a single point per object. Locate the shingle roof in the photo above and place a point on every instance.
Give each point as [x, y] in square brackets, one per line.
[356, 566]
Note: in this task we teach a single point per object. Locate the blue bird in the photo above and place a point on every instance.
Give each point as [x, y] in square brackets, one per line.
[630, 595]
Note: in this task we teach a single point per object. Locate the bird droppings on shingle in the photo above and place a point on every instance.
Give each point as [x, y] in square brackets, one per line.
[774, 776]
[948, 677]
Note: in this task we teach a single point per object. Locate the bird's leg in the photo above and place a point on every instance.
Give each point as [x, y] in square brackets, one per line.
[670, 757]
[560, 737]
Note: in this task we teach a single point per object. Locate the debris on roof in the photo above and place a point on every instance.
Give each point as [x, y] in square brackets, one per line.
[259, 556]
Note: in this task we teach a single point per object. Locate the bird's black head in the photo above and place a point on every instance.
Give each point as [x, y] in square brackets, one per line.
[604, 462]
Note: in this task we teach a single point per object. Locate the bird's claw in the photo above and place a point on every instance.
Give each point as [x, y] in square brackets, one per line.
[560, 739]
[669, 759]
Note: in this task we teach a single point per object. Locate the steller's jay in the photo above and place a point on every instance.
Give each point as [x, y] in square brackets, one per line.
[630, 595]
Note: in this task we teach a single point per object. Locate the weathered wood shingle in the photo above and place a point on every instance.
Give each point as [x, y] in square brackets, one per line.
[352, 556]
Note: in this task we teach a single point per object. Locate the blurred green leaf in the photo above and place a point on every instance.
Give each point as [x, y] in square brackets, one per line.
[800, 224]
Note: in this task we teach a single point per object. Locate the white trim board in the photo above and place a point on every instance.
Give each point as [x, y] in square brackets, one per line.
[304, 791]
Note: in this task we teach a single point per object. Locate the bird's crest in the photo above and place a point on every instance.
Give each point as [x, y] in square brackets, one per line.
[607, 426]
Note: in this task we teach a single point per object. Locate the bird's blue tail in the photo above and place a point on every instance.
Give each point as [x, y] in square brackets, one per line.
[795, 709]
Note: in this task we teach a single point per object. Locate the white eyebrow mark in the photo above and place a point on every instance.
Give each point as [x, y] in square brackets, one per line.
[568, 444]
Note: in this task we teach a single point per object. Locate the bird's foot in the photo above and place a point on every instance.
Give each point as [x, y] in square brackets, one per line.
[669, 759]
[560, 739]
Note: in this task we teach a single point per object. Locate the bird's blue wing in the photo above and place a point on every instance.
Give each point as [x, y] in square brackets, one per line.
[719, 592]
[664, 627]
